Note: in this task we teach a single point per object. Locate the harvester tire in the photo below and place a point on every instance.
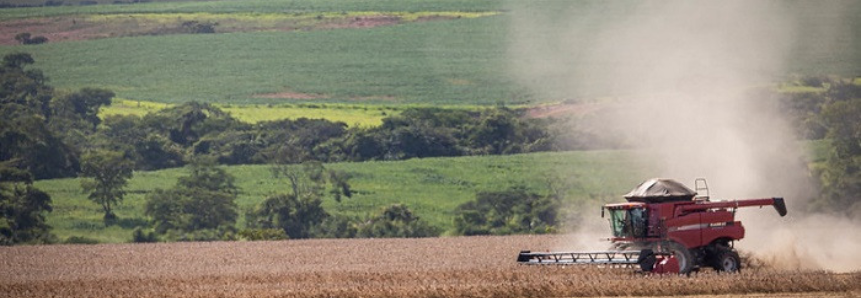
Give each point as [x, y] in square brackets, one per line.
[683, 255]
[647, 260]
[727, 261]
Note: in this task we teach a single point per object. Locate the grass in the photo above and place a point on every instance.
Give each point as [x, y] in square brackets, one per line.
[431, 187]
[450, 62]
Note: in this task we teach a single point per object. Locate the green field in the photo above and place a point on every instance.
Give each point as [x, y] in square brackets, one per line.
[453, 61]
[431, 187]
[398, 64]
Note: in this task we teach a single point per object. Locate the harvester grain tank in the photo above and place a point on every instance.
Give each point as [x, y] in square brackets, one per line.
[666, 227]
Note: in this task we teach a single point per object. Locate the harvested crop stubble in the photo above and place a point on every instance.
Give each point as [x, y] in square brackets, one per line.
[432, 267]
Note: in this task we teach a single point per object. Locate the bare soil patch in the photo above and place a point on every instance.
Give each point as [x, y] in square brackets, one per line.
[290, 95]
[367, 22]
[432, 267]
[82, 27]
[564, 110]
[55, 29]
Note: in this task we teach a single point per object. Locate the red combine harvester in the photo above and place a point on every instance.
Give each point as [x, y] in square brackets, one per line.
[666, 227]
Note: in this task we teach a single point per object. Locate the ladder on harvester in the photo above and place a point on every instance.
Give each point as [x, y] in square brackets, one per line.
[614, 258]
[701, 186]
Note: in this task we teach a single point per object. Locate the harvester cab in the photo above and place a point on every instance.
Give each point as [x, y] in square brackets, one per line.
[628, 220]
[663, 225]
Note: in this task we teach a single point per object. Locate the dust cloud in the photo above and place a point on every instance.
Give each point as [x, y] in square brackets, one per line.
[682, 82]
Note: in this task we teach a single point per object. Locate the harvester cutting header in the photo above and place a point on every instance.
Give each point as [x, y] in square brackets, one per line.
[667, 227]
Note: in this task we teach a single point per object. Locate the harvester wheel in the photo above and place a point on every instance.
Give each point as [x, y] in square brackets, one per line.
[647, 260]
[683, 255]
[727, 261]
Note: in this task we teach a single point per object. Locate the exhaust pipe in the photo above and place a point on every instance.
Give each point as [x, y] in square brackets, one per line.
[780, 206]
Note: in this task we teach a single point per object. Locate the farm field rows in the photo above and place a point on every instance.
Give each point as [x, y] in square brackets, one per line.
[428, 267]
[467, 55]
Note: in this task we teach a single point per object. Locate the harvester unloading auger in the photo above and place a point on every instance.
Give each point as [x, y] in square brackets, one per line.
[666, 227]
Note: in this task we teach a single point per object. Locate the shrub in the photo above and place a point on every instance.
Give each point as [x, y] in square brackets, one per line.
[80, 240]
[141, 236]
[263, 234]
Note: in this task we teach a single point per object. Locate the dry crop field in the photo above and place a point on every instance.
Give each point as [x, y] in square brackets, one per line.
[433, 267]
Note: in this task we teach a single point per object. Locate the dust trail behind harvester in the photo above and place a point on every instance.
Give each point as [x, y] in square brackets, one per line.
[684, 77]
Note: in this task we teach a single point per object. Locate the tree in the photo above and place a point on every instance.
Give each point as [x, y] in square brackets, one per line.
[336, 226]
[495, 133]
[395, 221]
[311, 178]
[300, 210]
[28, 144]
[27, 140]
[511, 211]
[83, 104]
[22, 209]
[841, 176]
[202, 201]
[295, 215]
[23, 37]
[109, 172]
[17, 60]
[206, 175]
[27, 38]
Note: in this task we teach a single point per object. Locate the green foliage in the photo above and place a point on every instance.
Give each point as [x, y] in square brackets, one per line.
[27, 140]
[300, 211]
[296, 216]
[169, 137]
[80, 240]
[432, 132]
[84, 104]
[841, 177]
[223, 233]
[263, 234]
[198, 207]
[23, 208]
[142, 236]
[41, 131]
[109, 172]
[512, 211]
[336, 226]
[27, 38]
[395, 221]
[829, 113]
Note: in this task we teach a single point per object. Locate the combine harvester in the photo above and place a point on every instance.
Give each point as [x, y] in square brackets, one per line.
[666, 227]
